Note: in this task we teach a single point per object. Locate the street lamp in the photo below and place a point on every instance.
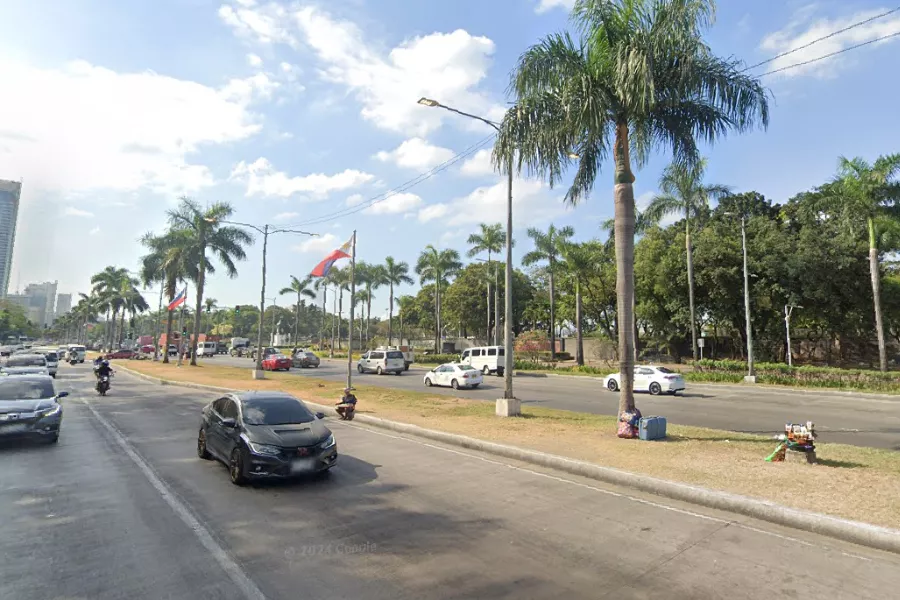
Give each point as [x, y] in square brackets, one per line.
[265, 230]
[508, 405]
[751, 376]
[788, 309]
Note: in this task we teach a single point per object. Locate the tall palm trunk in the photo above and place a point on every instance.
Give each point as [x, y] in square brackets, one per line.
[201, 282]
[368, 316]
[579, 339]
[624, 234]
[121, 329]
[496, 309]
[391, 317]
[322, 331]
[297, 320]
[876, 295]
[169, 316]
[690, 274]
[437, 316]
[488, 330]
[552, 314]
[340, 315]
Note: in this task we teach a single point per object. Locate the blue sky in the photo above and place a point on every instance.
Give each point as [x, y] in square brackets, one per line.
[295, 110]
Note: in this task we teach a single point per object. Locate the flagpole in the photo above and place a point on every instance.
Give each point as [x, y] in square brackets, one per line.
[181, 327]
[352, 294]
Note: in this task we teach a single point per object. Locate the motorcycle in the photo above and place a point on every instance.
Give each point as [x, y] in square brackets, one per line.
[103, 385]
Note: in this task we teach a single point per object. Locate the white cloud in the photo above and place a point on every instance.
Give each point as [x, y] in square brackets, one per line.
[251, 89]
[396, 204]
[804, 28]
[446, 66]
[286, 67]
[71, 211]
[533, 202]
[85, 127]
[94, 231]
[286, 216]
[263, 180]
[545, 5]
[478, 165]
[355, 199]
[254, 60]
[322, 243]
[416, 153]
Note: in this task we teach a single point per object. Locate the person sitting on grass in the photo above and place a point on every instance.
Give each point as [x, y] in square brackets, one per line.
[347, 403]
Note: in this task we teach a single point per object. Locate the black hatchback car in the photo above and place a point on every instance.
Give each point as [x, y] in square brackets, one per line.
[261, 435]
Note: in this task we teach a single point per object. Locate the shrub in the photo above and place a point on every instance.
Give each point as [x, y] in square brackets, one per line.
[436, 359]
[806, 376]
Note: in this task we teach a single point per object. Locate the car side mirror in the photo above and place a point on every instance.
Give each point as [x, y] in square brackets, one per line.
[229, 423]
[320, 415]
[62, 394]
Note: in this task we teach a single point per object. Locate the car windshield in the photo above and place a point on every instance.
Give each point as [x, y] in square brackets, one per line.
[664, 370]
[52, 356]
[275, 411]
[14, 388]
[310, 355]
[279, 356]
[395, 355]
[466, 368]
[26, 361]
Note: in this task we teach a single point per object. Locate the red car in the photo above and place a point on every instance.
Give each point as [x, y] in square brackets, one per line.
[120, 354]
[276, 362]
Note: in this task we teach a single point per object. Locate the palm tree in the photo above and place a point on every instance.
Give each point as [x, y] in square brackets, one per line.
[639, 77]
[132, 302]
[395, 273]
[684, 193]
[406, 304]
[340, 278]
[370, 277]
[108, 285]
[322, 283]
[547, 247]
[490, 239]
[209, 304]
[437, 265]
[206, 230]
[871, 192]
[301, 288]
[580, 262]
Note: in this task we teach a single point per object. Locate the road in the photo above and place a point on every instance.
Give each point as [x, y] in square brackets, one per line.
[858, 419]
[122, 508]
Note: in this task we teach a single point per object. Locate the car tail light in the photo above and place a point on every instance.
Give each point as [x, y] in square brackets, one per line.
[465, 376]
[672, 376]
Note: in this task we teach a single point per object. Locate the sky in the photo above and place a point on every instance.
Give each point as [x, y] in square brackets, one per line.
[295, 112]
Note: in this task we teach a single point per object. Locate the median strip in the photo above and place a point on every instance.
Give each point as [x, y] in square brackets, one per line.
[719, 469]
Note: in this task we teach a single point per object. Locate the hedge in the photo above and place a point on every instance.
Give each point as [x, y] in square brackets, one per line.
[806, 376]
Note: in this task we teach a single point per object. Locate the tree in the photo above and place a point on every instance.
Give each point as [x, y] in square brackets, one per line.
[206, 231]
[406, 304]
[639, 77]
[869, 192]
[301, 288]
[547, 247]
[340, 278]
[490, 239]
[370, 277]
[581, 261]
[322, 283]
[685, 193]
[437, 265]
[395, 273]
[209, 304]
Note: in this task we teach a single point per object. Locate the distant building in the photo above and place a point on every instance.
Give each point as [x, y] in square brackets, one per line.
[10, 191]
[39, 302]
[63, 304]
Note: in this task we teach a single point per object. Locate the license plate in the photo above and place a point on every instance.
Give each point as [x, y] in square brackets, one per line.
[303, 465]
[17, 428]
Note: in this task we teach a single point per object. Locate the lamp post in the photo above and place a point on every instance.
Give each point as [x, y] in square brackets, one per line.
[751, 375]
[507, 406]
[788, 309]
[266, 230]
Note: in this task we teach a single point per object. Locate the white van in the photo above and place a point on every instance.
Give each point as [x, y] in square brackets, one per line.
[487, 359]
[207, 349]
[409, 356]
[76, 350]
[382, 361]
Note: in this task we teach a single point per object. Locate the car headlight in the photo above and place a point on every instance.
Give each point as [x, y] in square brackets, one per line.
[328, 443]
[52, 411]
[264, 449]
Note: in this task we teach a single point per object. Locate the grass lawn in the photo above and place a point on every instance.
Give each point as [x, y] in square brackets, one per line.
[851, 482]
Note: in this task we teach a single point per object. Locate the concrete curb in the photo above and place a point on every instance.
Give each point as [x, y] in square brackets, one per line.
[873, 536]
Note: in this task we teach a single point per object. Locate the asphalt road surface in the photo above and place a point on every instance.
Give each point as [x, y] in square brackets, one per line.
[858, 419]
[122, 508]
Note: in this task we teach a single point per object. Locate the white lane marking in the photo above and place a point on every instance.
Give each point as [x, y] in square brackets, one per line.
[234, 571]
[607, 492]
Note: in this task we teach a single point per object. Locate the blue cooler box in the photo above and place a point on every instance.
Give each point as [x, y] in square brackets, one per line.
[652, 428]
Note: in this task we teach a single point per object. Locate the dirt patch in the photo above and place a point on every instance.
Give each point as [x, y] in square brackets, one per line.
[862, 484]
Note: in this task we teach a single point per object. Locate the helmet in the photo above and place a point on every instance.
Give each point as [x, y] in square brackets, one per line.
[105, 363]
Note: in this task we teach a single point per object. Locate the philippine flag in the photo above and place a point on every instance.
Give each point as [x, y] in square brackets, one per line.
[178, 300]
[321, 269]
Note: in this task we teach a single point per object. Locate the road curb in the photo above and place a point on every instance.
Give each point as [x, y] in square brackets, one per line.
[873, 536]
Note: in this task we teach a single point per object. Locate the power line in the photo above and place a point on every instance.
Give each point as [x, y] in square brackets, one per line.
[824, 37]
[829, 55]
[400, 188]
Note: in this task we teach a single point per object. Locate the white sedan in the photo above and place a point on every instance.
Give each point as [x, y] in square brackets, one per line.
[655, 380]
[455, 375]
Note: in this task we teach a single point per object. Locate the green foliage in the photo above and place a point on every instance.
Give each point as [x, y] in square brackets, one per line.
[804, 376]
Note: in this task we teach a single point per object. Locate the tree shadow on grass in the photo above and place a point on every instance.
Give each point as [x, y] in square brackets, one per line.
[841, 464]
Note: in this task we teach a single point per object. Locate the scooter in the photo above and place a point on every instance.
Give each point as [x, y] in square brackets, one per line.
[103, 385]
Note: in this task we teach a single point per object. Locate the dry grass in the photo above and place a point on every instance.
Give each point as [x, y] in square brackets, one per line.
[851, 482]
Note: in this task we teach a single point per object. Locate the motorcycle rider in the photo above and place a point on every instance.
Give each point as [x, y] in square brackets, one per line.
[104, 370]
[347, 406]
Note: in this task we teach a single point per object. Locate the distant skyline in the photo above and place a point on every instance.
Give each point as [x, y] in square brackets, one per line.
[293, 111]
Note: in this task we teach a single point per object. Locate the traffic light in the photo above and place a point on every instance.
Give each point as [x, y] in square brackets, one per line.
[237, 310]
[184, 332]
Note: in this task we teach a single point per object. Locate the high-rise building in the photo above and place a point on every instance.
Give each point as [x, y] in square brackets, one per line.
[63, 304]
[10, 191]
[42, 298]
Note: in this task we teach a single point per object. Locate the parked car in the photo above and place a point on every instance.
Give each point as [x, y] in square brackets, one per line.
[655, 380]
[487, 359]
[380, 361]
[276, 362]
[121, 353]
[455, 375]
[25, 364]
[267, 351]
[30, 408]
[265, 435]
[303, 359]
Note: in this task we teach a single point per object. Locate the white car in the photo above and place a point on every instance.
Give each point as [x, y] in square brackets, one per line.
[655, 380]
[25, 364]
[455, 375]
